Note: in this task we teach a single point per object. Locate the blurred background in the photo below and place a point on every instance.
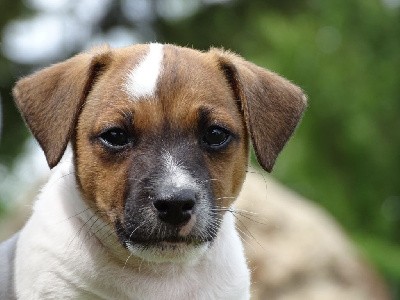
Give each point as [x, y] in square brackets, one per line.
[345, 54]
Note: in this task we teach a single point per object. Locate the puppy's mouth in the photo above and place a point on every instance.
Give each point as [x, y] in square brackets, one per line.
[163, 238]
[169, 240]
[165, 245]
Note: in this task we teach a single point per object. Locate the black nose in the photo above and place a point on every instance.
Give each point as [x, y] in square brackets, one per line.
[176, 209]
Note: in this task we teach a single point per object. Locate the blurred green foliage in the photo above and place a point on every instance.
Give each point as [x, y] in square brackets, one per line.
[13, 130]
[346, 56]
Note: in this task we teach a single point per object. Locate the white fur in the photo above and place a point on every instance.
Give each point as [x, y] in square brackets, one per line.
[65, 252]
[142, 80]
[185, 254]
[7, 259]
[177, 176]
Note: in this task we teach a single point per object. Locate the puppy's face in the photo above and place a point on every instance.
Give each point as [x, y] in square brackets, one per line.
[160, 136]
[162, 166]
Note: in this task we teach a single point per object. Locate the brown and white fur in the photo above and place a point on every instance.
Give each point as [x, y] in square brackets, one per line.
[137, 206]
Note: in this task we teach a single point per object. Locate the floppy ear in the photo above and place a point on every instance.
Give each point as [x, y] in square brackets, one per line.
[272, 106]
[50, 100]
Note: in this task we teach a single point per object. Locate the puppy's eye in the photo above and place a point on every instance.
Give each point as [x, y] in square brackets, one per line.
[216, 137]
[115, 138]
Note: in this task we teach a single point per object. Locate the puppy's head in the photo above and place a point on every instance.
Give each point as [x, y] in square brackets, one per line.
[160, 136]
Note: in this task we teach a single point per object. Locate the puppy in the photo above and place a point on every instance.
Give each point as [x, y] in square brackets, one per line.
[159, 139]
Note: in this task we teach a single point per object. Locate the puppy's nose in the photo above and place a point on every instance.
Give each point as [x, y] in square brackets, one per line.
[176, 209]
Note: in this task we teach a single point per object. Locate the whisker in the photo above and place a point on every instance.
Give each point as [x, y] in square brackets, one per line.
[77, 214]
[243, 233]
[126, 261]
[226, 197]
[249, 235]
[250, 218]
[245, 214]
[207, 180]
[80, 230]
[133, 231]
[130, 255]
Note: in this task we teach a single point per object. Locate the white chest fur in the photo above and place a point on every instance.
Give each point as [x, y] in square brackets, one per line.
[59, 258]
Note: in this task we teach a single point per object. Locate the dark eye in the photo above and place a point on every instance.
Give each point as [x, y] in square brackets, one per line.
[216, 137]
[115, 138]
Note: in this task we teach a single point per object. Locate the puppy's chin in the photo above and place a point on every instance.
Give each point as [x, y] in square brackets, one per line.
[168, 252]
[171, 244]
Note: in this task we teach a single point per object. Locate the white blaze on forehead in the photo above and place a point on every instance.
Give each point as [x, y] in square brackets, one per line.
[177, 175]
[142, 79]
